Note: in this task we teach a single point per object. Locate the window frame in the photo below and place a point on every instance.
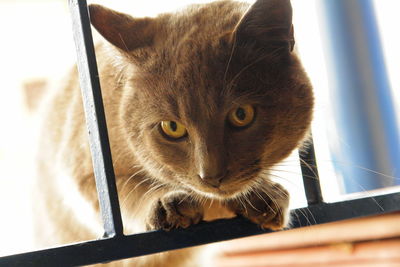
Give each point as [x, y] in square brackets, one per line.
[114, 245]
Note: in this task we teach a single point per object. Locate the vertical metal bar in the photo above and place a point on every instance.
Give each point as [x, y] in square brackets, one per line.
[95, 120]
[309, 170]
[366, 145]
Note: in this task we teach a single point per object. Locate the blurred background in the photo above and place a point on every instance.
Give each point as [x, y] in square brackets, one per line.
[37, 49]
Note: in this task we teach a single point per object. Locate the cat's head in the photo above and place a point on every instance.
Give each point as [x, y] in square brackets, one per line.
[213, 95]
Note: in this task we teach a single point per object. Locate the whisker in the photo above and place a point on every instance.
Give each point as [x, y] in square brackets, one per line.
[261, 198]
[130, 178]
[305, 216]
[242, 203]
[131, 191]
[297, 216]
[309, 167]
[280, 190]
[292, 172]
[322, 161]
[153, 190]
[211, 202]
[229, 60]
[285, 179]
[251, 205]
[187, 196]
[312, 215]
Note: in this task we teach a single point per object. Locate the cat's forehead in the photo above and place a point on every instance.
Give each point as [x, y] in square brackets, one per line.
[198, 84]
[183, 100]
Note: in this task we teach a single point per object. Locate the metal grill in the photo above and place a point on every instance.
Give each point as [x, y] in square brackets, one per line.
[114, 244]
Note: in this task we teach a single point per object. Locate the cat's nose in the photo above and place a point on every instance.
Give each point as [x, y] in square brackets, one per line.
[214, 179]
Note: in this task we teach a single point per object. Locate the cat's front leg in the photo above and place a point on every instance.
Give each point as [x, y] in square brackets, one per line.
[174, 210]
[267, 207]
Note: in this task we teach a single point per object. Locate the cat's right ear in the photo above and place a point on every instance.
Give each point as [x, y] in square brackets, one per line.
[123, 31]
[268, 23]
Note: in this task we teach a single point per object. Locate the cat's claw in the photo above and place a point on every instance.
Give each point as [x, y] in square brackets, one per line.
[269, 209]
[174, 211]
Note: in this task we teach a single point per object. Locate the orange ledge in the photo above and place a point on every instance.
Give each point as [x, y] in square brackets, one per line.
[370, 241]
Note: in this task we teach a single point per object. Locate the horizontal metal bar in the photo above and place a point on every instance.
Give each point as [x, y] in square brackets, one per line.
[121, 247]
[95, 119]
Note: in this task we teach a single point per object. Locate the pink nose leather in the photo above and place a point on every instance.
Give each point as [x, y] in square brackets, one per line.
[213, 180]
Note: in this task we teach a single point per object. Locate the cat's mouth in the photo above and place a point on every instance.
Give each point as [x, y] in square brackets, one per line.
[214, 193]
[230, 188]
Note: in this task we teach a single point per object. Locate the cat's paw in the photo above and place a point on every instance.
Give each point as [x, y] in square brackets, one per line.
[269, 208]
[174, 211]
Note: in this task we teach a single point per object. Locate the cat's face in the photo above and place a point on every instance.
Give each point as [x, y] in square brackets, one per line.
[211, 103]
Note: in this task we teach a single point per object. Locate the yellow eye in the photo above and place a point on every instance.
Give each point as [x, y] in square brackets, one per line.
[173, 129]
[241, 116]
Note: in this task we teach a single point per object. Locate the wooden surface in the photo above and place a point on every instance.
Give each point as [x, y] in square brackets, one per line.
[372, 241]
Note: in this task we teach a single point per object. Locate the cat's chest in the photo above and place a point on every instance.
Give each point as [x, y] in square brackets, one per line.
[215, 210]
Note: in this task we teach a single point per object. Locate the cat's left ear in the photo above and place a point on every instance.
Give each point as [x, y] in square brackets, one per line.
[123, 31]
[267, 23]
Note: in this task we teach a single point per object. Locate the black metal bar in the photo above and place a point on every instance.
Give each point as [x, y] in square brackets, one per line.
[95, 118]
[309, 170]
[121, 247]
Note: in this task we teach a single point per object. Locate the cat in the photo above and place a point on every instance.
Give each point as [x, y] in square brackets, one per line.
[200, 105]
